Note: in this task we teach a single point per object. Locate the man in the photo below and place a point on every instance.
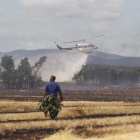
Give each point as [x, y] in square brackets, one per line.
[53, 88]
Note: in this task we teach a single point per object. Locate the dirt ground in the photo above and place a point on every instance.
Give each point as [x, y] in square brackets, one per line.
[99, 94]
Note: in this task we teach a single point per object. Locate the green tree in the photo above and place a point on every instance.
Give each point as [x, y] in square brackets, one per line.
[25, 76]
[24, 73]
[8, 74]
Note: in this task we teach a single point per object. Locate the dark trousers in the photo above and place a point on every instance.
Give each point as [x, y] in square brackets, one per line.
[53, 114]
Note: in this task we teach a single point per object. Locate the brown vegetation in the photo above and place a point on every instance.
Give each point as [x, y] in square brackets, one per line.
[77, 120]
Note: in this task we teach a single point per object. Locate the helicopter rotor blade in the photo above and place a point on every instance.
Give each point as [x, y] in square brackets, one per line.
[75, 41]
[84, 39]
[97, 36]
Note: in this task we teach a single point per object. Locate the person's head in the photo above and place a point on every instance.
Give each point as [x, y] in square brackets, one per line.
[52, 78]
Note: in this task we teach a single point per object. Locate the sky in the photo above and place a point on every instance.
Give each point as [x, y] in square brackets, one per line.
[37, 24]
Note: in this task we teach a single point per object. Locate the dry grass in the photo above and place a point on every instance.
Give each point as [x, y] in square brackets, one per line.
[87, 107]
[22, 116]
[80, 126]
[68, 135]
[13, 106]
[70, 109]
[118, 124]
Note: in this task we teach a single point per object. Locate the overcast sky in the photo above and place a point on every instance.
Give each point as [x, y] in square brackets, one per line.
[36, 24]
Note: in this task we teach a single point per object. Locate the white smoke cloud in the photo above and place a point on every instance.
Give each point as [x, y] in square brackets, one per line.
[63, 66]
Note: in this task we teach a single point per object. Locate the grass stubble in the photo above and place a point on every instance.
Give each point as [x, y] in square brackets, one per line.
[77, 120]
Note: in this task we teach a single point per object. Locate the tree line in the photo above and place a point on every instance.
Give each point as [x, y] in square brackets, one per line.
[24, 76]
[108, 75]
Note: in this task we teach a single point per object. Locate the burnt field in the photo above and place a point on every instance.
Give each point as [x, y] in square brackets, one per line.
[99, 94]
[100, 114]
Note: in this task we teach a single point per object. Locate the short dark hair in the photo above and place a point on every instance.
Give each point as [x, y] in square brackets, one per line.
[53, 77]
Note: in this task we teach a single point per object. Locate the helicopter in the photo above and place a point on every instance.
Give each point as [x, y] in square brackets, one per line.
[82, 47]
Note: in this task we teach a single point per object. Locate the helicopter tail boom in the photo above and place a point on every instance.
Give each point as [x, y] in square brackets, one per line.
[59, 47]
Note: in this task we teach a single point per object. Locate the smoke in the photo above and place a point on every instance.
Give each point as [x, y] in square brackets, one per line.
[62, 65]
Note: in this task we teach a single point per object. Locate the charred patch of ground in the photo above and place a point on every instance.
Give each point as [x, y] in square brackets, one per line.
[27, 134]
[106, 94]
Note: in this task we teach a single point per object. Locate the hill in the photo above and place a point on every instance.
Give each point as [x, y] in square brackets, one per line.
[97, 57]
[111, 59]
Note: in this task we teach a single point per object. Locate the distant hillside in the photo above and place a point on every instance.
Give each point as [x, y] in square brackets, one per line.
[109, 59]
[106, 55]
[29, 53]
[96, 58]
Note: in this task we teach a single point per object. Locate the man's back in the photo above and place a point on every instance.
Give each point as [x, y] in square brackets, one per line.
[52, 88]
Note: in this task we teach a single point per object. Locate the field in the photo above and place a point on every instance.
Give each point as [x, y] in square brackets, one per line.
[102, 114]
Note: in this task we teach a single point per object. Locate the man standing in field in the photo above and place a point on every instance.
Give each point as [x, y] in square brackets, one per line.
[53, 88]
